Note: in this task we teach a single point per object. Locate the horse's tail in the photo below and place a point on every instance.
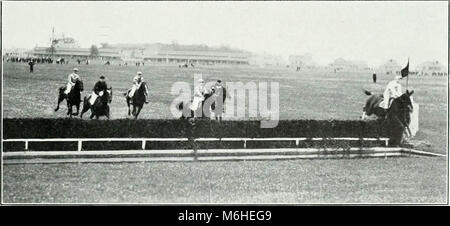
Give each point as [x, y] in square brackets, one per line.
[367, 92]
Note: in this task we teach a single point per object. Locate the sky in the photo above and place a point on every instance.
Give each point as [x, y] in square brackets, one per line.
[369, 31]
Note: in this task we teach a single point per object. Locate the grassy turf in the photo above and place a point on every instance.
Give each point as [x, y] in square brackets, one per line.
[302, 95]
[396, 180]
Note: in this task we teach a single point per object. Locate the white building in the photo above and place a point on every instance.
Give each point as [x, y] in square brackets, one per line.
[390, 67]
[302, 62]
[266, 60]
[343, 65]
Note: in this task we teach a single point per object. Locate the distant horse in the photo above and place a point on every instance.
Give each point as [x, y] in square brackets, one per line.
[188, 113]
[137, 100]
[397, 116]
[72, 99]
[185, 65]
[100, 106]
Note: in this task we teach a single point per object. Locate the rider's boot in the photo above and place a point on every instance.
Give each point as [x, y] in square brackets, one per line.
[146, 99]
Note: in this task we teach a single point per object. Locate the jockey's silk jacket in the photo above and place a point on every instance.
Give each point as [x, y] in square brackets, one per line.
[73, 78]
[393, 89]
[199, 91]
[137, 79]
[100, 86]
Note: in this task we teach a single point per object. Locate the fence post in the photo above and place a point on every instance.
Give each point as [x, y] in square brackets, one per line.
[79, 145]
[245, 143]
[143, 144]
[26, 145]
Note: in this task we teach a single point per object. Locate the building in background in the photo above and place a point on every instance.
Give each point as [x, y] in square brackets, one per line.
[431, 68]
[16, 52]
[302, 62]
[342, 65]
[193, 54]
[266, 60]
[68, 48]
[390, 67]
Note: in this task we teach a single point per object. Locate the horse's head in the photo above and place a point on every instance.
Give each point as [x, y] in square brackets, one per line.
[406, 100]
[143, 86]
[110, 94]
[79, 85]
[403, 106]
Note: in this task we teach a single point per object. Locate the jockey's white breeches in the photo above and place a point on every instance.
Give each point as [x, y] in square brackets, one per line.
[94, 97]
[385, 103]
[69, 87]
[196, 102]
[133, 89]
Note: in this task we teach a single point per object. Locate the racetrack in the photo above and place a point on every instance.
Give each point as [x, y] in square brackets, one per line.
[302, 96]
[396, 180]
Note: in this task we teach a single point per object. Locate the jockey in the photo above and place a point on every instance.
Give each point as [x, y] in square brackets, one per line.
[218, 89]
[73, 77]
[99, 89]
[137, 81]
[219, 99]
[393, 90]
[198, 95]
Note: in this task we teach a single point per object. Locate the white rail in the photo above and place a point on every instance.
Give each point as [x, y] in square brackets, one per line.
[144, 140]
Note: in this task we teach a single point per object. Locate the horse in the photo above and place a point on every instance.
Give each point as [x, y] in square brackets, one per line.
[397, 116]
[188, 113]
[137, 100]
[100, 106]
[72, 99]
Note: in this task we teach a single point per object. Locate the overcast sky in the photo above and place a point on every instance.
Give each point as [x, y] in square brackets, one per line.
[370, 31]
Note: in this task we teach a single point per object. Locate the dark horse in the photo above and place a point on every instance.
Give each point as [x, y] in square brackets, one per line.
[188, 113]
[137, 100]
[73, 98]
[397, 117]
[100, 106]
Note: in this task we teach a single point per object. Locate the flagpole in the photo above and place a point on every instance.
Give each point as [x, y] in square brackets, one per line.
[407, 77]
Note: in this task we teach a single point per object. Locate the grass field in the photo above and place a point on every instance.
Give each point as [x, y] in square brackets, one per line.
[302, 96]
[397, 180]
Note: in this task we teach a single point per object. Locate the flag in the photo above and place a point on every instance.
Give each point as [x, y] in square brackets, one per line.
[405, 71]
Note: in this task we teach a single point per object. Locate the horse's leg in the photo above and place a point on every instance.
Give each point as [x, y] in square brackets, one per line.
[363, 116]
[69, 108]
[138, 111]
[92, 115]
[78, 109]
[60, 99]
[128, 104]
[85, 108]
[107, 112]
[134, 110]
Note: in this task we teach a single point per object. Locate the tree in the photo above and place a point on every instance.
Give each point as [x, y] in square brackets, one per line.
[94, 51]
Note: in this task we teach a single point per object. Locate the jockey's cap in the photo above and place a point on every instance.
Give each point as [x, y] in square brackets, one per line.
[219, 81]
[102, 77]
[75, 69]
[139, 73]
[201, 80]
